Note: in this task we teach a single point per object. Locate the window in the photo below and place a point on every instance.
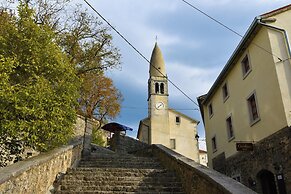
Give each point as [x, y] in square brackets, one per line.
[172, 143]
[253, 109]
[162, 88]
[246, 68]
[229, 128]
[159, 88]
[156, 88]
[178, 120]
[210, 110]
[225, 92]
[214, 145]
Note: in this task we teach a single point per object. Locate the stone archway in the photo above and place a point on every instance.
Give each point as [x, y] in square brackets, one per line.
[267, 182]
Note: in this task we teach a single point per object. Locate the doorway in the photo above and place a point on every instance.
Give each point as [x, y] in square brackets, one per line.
[267, 181]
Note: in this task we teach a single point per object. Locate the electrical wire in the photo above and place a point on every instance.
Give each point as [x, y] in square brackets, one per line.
[228, 28]
[134, 107]
[136, 50]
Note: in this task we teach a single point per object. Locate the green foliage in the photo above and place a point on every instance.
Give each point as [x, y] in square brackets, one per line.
[38, 86]
[98, 137]
[100, 99]
[88, 45]
[43, 53]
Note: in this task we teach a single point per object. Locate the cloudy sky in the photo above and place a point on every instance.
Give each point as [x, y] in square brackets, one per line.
[194, 47]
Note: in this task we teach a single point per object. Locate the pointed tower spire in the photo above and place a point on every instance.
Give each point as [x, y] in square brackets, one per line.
[157, 66]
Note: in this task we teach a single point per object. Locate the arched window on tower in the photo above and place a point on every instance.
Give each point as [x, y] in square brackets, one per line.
[162, 88]
[157, 88]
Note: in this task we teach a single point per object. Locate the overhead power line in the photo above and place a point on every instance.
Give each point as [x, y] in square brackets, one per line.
[228, 28]
[136, 50]
[144, 108]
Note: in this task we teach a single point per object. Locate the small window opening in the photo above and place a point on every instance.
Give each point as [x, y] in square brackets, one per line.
[157, 88]
[214, 145]
[172, 143]
[178, 120]
[162, 88]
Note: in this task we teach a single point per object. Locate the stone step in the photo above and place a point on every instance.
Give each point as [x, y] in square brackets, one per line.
[129, 166]
[115, 176]
[133, 184]
[120, 174]
[148, 188]
[116, 192]
[96, 156]
[121, 165]
[119, 180]
[120, 160]
[126, 181]
[120, 171]
[109, 169]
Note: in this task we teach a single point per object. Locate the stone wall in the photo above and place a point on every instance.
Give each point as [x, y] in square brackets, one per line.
[195, 177]
[79, 128]
[37, 174]
[272, 154]
[122, 143]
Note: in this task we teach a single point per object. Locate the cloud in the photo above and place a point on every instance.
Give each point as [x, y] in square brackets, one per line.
[195, 48]
[196, 80]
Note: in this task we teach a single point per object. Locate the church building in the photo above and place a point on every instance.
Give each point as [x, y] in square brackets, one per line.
[164, 125]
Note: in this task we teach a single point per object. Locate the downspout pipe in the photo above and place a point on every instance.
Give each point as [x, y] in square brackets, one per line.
[259, 19]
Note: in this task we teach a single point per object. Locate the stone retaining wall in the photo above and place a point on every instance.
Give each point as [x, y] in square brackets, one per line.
[197, 178]
[124, 144]
[37, 174]
[272, 153]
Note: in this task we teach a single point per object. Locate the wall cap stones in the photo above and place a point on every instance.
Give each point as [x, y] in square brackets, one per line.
[222, 182]
[18, 168]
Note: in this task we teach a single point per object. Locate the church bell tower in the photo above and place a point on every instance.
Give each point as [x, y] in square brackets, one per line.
[159, 130]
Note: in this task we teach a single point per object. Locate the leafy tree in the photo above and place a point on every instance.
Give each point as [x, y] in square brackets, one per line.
[43, 52]
[100, 99]
[88, 45]
[98, 137]
[38, 86]
[83, 37]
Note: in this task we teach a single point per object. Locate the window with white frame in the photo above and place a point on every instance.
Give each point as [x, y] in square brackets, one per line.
[246, 67]
[229, 128]
[253, 108]
[225, 93]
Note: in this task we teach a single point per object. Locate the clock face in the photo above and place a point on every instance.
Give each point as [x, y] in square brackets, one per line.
[160, 105]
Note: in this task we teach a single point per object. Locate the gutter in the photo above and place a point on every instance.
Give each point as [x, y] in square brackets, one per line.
[257, 21]
[277, 29]
[230, 62]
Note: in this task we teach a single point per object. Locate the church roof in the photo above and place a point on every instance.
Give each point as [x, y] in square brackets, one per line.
[157, 64]
[183, 115]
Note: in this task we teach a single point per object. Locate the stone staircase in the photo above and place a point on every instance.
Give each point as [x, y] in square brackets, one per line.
[107, 172]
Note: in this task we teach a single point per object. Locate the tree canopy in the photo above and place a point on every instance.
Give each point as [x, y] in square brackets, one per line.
[38, 85]
[100, 99]
[52, 61]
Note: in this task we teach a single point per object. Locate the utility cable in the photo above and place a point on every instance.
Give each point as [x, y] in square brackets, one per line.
[228, 28]
[134, 107]
[136, 50]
